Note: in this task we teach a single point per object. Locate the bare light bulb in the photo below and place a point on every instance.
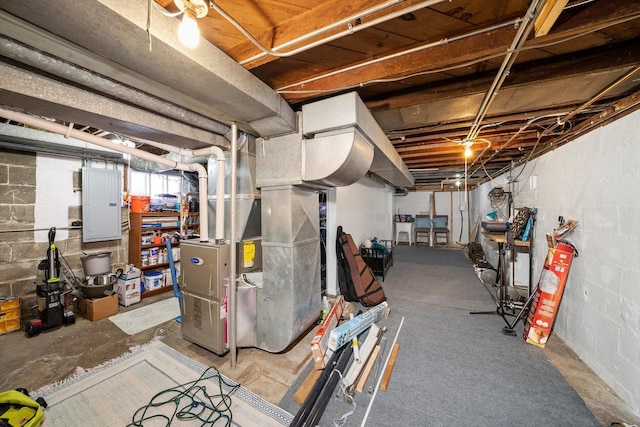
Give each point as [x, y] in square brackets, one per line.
[188, 31]
[467, 151]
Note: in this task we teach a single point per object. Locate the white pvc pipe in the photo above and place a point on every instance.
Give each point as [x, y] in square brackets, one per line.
[107, 143]
[202, 196]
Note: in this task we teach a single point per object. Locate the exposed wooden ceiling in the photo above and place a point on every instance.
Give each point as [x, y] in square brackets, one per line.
[439, 73]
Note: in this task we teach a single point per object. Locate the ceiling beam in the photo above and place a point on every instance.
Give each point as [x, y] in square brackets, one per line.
[459, 51]
[442, 55]
[566, 66]
[326, 14]
[559, 93]
[548, 16]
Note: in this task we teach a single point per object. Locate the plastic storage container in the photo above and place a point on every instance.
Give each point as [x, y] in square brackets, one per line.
[152, 280]
[9, 314]
[140, 204]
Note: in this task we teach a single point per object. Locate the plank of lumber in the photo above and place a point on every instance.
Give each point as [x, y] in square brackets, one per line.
[303, 391]
[364, 375]
[387, 372]
[301, 364]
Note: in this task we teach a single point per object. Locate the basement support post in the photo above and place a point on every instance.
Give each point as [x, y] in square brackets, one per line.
[231, 315]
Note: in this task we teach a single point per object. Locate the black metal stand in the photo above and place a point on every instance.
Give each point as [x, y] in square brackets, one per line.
[506, 307]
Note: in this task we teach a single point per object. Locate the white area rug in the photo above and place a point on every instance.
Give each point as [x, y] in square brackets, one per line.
[134, 321]
[150, 387]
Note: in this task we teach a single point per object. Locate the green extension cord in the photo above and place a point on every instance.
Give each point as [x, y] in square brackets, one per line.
[191, 402]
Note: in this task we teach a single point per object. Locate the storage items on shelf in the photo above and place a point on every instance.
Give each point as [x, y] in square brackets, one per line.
[164, 203]
[140, 204]
[148, 247]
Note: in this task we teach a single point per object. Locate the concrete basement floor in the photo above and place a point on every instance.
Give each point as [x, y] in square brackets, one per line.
[56, 354]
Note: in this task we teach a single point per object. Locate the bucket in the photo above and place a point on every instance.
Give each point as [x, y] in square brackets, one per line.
[96, 264]
[140, 204]
[152, 280]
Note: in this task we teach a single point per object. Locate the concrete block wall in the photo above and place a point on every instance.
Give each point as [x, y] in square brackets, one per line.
[593, 180]
[21, 190]
[413, 203]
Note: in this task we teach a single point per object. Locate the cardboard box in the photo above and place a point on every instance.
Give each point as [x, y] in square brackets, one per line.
[548, 295]
[344, 333]
[98, 308]
[319, 343]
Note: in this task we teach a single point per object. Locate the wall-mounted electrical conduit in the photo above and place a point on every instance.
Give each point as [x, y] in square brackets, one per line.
[563, 117]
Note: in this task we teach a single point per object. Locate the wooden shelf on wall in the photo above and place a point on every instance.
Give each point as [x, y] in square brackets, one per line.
[136, 247]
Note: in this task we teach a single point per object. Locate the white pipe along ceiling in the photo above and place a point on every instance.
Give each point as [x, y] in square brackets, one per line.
[68, 131]
[219, 154]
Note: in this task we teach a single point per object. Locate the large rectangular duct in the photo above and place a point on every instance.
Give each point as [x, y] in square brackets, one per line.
[346, 111]
[289, 300]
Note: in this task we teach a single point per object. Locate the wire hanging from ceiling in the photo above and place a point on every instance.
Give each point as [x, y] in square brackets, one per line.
[444, 69]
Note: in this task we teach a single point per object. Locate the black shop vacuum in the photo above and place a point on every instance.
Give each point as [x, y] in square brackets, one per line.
[50, 294]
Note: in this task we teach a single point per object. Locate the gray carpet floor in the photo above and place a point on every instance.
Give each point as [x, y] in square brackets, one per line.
[454, 368]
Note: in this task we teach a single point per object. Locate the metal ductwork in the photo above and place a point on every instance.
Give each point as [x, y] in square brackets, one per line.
[337, 158]
[338, 143]
[148, 165]
[348, 111]
[104, 44]
[22, 138]
[401, 191]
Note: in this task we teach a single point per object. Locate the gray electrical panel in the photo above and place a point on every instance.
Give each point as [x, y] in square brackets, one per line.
[101, 217]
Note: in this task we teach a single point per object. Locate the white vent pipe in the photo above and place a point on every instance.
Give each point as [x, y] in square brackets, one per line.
[68, 131]
[207, 151]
